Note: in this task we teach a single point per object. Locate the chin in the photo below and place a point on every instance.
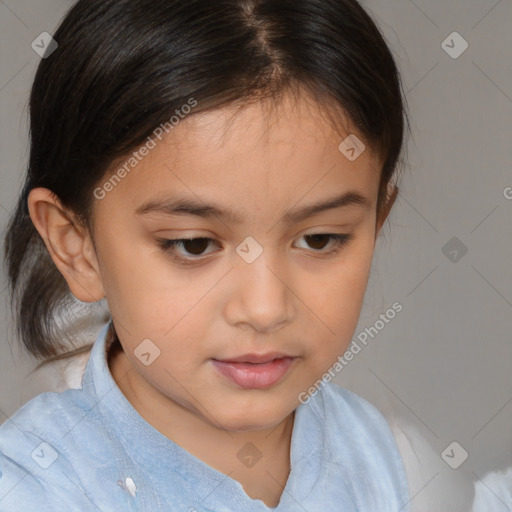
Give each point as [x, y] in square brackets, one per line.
[249, 427]
[245, 421]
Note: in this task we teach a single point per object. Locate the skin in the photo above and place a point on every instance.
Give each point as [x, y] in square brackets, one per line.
[294, 298]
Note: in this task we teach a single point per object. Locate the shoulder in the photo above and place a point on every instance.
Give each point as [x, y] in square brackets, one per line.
[494, 492]
[362, 446]
[49, 415]
[36, 465]
[432, 483]
[359, 422]
[398, 444]
[355, 421]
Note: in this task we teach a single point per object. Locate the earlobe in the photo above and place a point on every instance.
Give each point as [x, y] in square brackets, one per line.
[67, 244]
[390, 201]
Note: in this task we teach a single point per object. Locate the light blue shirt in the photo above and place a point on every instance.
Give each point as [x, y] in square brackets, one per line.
[88, 449]
[493, 493]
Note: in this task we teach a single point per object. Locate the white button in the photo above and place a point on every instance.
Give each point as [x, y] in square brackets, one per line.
[128, 485]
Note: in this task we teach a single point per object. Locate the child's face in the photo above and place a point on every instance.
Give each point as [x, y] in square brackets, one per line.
[222, 299]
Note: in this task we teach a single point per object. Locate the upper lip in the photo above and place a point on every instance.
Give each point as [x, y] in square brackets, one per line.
[255, 358]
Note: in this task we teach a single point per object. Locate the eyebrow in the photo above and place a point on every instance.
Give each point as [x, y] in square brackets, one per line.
[187, 206]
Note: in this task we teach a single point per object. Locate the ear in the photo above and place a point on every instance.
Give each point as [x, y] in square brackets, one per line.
[69, 245]
[390, 201]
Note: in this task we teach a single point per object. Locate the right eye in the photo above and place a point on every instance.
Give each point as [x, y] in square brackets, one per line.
[194, 246]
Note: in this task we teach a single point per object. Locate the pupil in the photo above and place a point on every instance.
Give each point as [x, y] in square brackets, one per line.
[196, 244]
[315, 239]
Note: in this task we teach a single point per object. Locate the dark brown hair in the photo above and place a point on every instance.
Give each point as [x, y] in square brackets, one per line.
[123, 67]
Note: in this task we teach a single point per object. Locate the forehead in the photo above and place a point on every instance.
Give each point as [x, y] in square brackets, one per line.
[249, 157]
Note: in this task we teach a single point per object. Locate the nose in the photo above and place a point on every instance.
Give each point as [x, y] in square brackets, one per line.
[261, 296]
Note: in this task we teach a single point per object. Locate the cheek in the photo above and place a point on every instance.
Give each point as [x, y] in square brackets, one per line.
[335, 301]
[339, 292]
[143, 286]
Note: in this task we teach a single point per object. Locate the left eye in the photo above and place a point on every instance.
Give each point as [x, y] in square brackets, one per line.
[196, 246]
[340, 240]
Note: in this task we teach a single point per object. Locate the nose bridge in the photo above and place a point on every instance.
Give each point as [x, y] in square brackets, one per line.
[262, 296]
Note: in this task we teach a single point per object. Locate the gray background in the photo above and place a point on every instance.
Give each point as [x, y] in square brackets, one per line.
[443, 363]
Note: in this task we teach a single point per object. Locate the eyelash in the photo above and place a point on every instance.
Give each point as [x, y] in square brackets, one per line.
[168, 245]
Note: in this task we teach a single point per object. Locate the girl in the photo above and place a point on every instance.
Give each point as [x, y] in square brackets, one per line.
[218, 172]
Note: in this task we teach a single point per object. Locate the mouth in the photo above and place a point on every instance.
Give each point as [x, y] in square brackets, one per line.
[253, 371]
[256, 358]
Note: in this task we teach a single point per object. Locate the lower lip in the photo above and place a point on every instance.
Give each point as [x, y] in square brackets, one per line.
[255, 376]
